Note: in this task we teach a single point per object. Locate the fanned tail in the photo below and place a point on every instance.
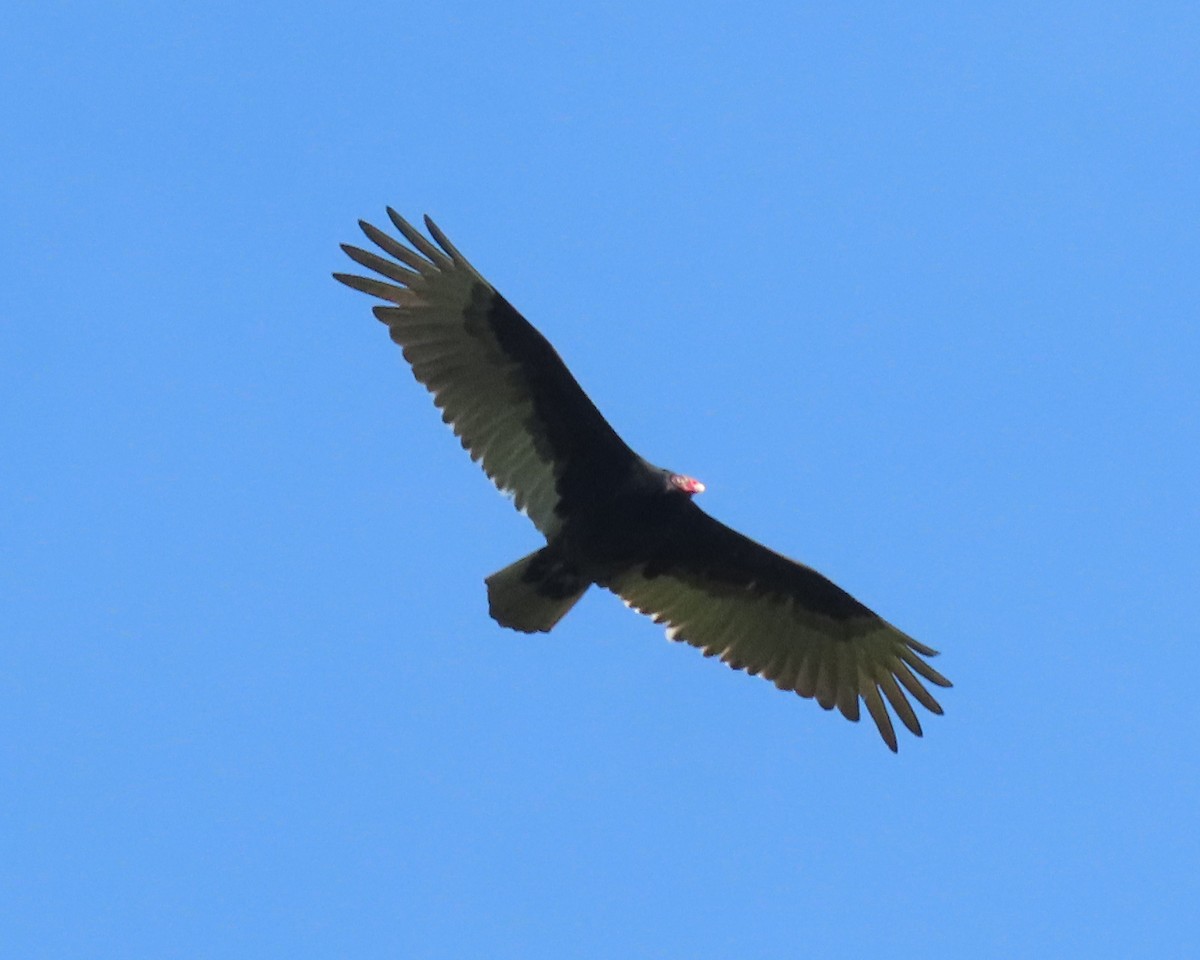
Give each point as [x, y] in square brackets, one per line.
[534, 593]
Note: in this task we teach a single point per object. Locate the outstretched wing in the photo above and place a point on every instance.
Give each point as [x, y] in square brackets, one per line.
[761, 612]
[500, 385]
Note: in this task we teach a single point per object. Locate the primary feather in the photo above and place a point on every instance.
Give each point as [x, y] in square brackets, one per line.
[611, 518]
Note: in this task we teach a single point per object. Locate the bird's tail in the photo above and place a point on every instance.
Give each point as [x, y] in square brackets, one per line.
[534, 593]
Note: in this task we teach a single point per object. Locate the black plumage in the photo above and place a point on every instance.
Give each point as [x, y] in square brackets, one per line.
[611, 518]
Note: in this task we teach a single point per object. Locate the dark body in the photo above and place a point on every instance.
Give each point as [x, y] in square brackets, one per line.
[610, 517]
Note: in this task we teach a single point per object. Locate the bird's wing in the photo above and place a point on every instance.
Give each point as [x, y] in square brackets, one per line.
[761, 612]
[500, 385]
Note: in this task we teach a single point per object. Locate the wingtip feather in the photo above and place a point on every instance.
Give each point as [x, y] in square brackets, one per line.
[899, 703]
[418, 240]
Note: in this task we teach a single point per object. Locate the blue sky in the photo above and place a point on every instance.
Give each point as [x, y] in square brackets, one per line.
[913, 288]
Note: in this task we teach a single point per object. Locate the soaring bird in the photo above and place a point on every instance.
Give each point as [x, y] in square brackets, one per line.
[610, 517]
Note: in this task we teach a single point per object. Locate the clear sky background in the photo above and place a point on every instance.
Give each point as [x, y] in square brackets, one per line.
[913, 287]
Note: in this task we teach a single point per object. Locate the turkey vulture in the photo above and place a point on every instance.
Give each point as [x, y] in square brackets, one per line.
[610, 517]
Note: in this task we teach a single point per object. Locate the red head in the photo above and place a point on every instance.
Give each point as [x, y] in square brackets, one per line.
[688, 485]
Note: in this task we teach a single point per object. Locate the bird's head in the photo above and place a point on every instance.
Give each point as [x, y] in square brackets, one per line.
[689, 485]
